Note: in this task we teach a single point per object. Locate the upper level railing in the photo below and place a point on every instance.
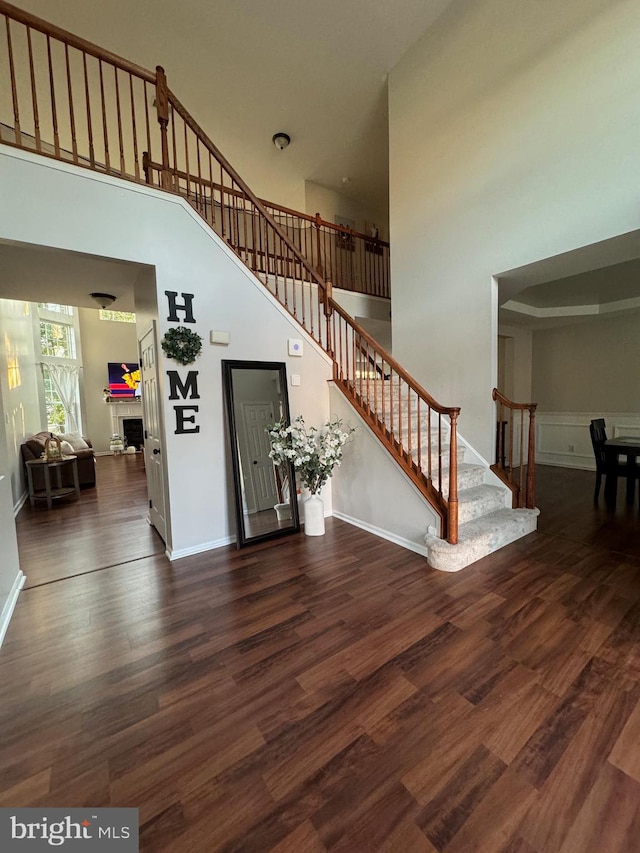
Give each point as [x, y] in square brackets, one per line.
[516, 449]
[66, 98]
[70, 99]
[347, 258]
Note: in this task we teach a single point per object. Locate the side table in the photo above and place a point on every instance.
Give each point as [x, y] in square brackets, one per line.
[57, 490]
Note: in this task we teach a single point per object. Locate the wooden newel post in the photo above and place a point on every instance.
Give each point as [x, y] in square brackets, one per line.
[531, 459]
[318, 222]
[162, 108]
[452, 533]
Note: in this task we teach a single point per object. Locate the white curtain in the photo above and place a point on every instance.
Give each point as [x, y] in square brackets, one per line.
[64, 378]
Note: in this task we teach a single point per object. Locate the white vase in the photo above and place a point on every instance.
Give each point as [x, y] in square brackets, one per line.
[314, 516]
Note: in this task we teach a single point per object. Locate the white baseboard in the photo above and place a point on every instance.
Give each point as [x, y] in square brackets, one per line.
[566, 460]
[383, 534]
[176, 554]
[21, 502]
[10, 604]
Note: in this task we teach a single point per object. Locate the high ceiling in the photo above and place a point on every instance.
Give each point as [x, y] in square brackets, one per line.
[249, 68]
[600, 280]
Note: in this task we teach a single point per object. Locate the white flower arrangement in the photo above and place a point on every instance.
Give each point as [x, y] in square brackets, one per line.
[312, 452]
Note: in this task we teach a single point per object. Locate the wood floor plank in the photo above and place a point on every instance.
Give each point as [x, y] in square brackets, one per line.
[624, 754]
[495, 820]
[549, 821]
[545, 747]
[28, 790]
[304, 837]
[609, 819]
[443, 817]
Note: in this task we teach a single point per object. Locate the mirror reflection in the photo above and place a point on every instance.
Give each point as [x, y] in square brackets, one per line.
[265, 494]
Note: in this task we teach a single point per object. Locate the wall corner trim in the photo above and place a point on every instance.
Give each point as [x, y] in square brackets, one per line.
[199, 549]
[10, 603]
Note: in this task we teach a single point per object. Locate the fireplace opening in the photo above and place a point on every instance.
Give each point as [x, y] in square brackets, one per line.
[133, 432]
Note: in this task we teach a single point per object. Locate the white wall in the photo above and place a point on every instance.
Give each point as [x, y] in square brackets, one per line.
[114, 219]
[329, 204]
[372, 492]
[513, 137]
[20, 414]
[518, 354]
[593, 365]
[363, 306]
[102, 341]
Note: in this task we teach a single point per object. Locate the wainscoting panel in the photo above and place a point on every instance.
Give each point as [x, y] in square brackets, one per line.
[562, 438]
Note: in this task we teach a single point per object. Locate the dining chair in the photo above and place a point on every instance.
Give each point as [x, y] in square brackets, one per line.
[598, 431]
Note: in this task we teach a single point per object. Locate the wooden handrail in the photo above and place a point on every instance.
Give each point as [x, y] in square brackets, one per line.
[498, 397]
[521, 477]
[114, 133]
[397, 367]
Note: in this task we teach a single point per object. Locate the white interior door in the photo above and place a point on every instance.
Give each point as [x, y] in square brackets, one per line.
[258, 416]
[152, 433]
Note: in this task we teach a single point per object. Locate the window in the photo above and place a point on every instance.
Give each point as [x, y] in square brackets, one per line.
[118, 316]
[56, 415]
[58, 309]
[57, 340]
[60, 366]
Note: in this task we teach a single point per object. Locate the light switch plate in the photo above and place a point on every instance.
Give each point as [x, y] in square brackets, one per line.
[295, 379]
[219, 337]
[295, 346]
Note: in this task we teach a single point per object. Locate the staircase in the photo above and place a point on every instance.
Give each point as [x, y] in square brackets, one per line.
[292, 257]
[485, 523]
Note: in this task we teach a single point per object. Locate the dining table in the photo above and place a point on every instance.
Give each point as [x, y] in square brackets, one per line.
[622, 445]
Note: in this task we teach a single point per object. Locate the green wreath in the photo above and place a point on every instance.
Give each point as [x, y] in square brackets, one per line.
[182, 345]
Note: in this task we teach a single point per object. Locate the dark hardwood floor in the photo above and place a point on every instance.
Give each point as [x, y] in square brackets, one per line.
[106, 527]
[336, 694]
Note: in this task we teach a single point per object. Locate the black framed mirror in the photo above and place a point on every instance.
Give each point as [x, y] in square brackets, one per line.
[265, 494]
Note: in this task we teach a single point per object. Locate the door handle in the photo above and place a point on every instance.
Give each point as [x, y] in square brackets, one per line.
[156, 450]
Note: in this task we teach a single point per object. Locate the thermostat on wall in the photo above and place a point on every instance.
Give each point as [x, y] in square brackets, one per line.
[295, 346]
